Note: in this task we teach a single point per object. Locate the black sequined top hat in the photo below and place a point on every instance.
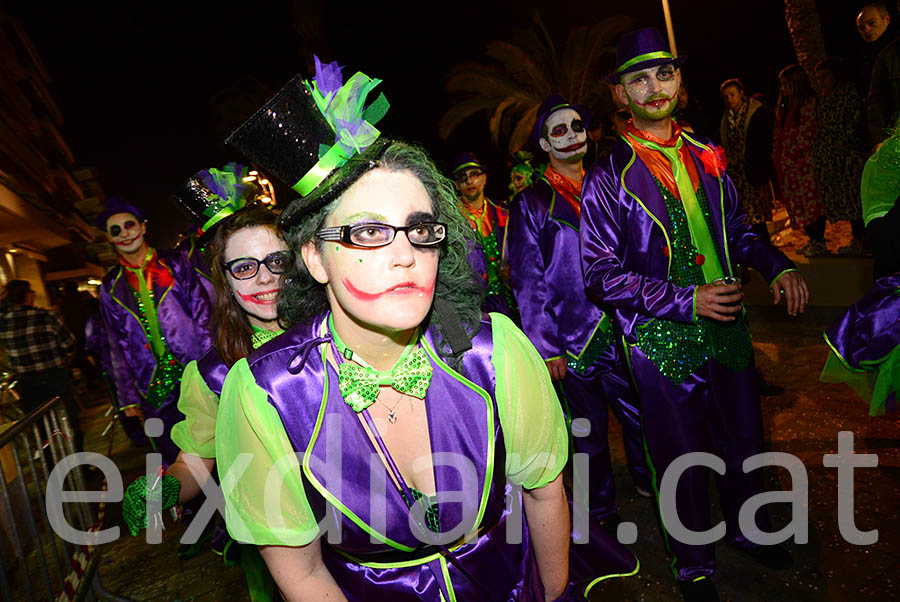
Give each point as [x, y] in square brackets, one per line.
[212, 195]
[551, 104]
[309, 130]
[639, 50]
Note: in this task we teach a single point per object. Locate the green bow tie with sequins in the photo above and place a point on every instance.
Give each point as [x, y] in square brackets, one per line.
[359, 384]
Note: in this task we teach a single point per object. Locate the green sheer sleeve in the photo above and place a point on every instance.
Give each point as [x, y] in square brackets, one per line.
[196, 434]
[534, 430]
[880, 183]
[265, 502]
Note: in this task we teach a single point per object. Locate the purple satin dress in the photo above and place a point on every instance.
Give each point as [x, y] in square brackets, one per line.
[625, 232]
[379, 556]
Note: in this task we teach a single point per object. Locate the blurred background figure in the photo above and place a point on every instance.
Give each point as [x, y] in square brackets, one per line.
[838, 151]
[690, 114]
[881, 77]
[794, 136]
[746, 131]
[488, 220]
[521, 174]
[876, 30]
[39, 348]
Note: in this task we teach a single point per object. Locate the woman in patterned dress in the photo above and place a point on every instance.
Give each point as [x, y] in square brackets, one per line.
[795, 132]
[838, 150]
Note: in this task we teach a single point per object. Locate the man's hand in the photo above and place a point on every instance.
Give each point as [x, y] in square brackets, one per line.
[134, 412]
[557, 368]
[719, 301]
[793, 287]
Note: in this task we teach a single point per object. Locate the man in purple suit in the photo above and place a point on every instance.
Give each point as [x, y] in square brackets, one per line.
[662, 234]
[571, 332]
[156, 308]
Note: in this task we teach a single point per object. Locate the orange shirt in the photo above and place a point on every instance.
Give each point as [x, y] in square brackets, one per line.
[657, 163]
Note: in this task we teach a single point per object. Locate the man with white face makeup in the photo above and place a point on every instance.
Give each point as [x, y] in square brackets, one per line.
[571, 332]
[662, 234]
[156, 307]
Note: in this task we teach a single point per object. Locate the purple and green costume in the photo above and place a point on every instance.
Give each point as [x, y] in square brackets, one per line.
[865, 346]
[282, 409]
[695, 378]
[201, 387]
[562, 322]
[146, 366]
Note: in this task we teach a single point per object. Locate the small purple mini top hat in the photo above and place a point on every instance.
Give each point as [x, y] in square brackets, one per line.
[641, 49]
[551, 104]
[116, 205]
[466, 160]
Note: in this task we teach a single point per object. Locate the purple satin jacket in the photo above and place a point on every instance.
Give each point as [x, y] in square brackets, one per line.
[625, 231]
[545, 269]
[463, 419]
[183, 310]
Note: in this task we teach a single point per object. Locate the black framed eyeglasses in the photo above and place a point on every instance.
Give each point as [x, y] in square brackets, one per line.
[376, 234]
[244, 268]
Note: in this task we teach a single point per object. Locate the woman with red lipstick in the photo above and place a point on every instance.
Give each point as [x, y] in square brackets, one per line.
[392, 414]
[248, 257]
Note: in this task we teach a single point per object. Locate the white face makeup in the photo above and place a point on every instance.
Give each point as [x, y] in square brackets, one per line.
[470, 183]
[566, 138]
[386, 289]
[651, 94]
[258, 295]
[126, 232]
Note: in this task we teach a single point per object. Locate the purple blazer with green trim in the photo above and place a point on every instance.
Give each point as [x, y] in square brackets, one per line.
[625, 230]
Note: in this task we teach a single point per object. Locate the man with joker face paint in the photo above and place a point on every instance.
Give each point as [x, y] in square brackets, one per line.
[662, 234]
[488, 220]
[156, 308]
[572, 333]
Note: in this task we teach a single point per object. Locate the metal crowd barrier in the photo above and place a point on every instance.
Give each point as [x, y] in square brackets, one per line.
[35, 562]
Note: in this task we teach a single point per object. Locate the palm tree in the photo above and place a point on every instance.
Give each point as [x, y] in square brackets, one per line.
[522, 73]
[802, 18]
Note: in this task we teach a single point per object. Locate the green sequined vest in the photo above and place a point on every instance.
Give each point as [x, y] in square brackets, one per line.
[168, 370]
[679, 349]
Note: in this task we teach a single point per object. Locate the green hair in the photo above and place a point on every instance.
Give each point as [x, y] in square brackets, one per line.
[302, 298]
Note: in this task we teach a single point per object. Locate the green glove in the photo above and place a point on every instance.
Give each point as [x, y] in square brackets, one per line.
[134, 504]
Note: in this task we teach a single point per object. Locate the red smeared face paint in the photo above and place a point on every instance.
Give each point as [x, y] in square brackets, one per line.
[403, 288]
[268, 297]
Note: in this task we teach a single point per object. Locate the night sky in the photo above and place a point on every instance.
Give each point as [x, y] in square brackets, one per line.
[141, 85]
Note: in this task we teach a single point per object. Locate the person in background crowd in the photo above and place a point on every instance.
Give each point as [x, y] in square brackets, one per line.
[619, 120]
[661, 228]
[488, 220]
[521, 175]
[156, 309]
[792, 154]
[570, 331]
[839, 151]
[39, 348]
[746, 131]
[877, 32]
[72, 310]
[690, 114]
